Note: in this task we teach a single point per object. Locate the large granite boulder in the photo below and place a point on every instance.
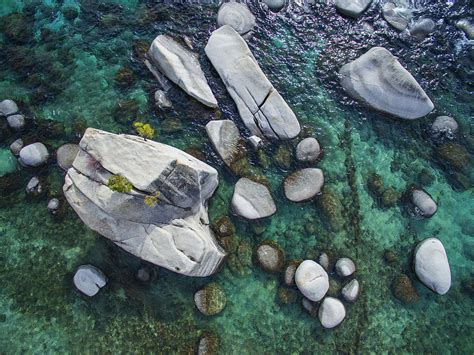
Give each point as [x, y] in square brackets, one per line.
[224, 136]
[378, 79]
[352, 8]
[331, 312]
[237, 16]
[260, 106]
[432, 266]
[181, 66]
[173, 232]
[252, 200]
[312, 280]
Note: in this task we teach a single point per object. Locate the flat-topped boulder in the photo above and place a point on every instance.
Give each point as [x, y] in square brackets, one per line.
[224, 136]
[181, 65]
[89, 280]
[252, 200]
[432, 266]
[237, 16]
[379, 80]
[352, 8]
[173, 230]
[303, 185]
[261, 107]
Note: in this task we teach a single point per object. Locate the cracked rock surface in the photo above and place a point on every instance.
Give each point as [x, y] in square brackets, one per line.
[260, 106]
[174, 233]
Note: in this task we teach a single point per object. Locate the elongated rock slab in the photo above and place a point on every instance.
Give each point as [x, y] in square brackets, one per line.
[174, 233]
[378, 79]
[260, 106]
[181, 66]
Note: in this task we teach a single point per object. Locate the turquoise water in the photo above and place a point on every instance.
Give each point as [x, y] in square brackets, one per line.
[58, 61]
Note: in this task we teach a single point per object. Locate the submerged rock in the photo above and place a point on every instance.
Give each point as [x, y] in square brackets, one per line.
[162, 100]
[422, 28]
[303, 185]
[403, 289]
[312, 280]
[324, 261]
[379, 80]
[444, 127]
[208, 344]
[260, 106]
[252, 200]
[331, 312]
[289, 273]
[432, 266]
[237, 16]
[424, 204]
[397, 14]
[181, 66]
[89, 280]
[453, 155]
[210, 300]
[16, 122]
[467, 27]
[286, 295]
[256, 142]
[53, 206]
[225, 137]
[345, 267]
[66, 154]
[350, 292]
[270, 256]
[8, 107]
[308, 150]
[173, 232]
[34, 155]
[332, 209]
[34, 187]
[275, 5]
[352, 8]
[16, 146]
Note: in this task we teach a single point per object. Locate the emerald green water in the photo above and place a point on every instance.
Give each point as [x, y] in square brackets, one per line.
[61, 72]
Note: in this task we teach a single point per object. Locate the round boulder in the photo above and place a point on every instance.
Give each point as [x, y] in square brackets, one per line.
[34, 154]
[308, 150]
[8, 107]
[275, 5]
[303, 185]
[66, 154]
[16, 122]
[270, 256]
[53, 206]
[312, 280]
[210, 300]
[252, 200]
[444, 126]
[34, 187]
[350, 292]
[422, 28]
[352, 8]
[331, 313]
[424, 204]
[162, 100]
[237, 16]
[432, 266]
[345, 267]
[89, 280]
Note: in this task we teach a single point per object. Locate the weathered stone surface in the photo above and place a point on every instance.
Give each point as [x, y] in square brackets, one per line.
[162, 100]
[211, 299]
[66, 154]
[8, 107]
[237, 16]
[352, 8]
[260, 106]
[181, 66]
[308, 150]
[350, 292]
[35, 154]
[270, 256]
[312, 280]
[16, 121]
[345, 267]
[224, 136]
[331, 312]
[89, 280]
[16, 146]
[444, 126]
[303, 185]
[275, 5]
[422, 28]
[432, 266]
[174, 233]
[466, 26]
[53, 205]
[252, 200]
[379, 80]
[424, 204]
[397, 14]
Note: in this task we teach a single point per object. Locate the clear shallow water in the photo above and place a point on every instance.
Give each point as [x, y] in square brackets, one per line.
[62, 75]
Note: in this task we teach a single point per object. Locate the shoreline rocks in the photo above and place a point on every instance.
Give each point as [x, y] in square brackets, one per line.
[378, 79]
[432, 266]
[352, 8]
[261, 107]
[237, 16]
[89, 280]
[303, 185]
[33, 155]
[225, 137]
[308, 150]
[181, 66]
[252, 200]
[312, 280]
[8, 107]
[16, 122]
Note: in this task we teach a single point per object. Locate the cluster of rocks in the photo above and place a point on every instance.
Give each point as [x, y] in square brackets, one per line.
[9, 109]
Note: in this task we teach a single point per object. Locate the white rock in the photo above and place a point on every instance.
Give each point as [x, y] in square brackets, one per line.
[345, 267]
[53, 205]
[289, 274]
[397, 14]
[224, 136]
[352, 8]
[252, 200]
[466, 26]
[256, 142]
[379, 80]
[175, 232]
[444, 126]
[162, 100]
[312, 280]
[324, 261]
[89, 280]
[16, 146]
[424, 204]
[432, 266]
[260, 106]
[350, 292]
[8, 107]
[237, 16]
[422, 28]
[303, 185]
[66, 154]
[34, 154]
[181, 66]
[308, 150]
[16, 121]
[34, 186]
[275, 5]
[331, 312]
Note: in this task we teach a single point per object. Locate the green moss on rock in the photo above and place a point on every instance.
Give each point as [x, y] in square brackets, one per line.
[211, 299]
